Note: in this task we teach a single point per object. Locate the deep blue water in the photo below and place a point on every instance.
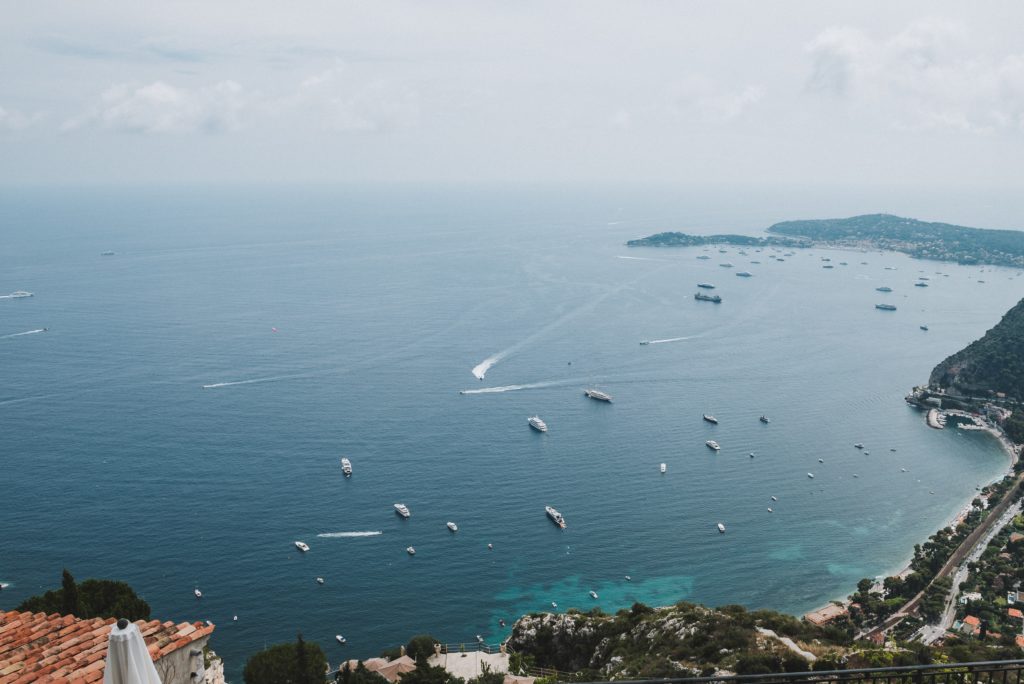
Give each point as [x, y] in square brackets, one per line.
[117, 462]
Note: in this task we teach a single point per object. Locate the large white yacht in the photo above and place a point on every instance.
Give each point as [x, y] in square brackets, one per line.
[712, 444]
[402, 510]
[346, 467]
[598, 394]
[537, 424]
[555, 516]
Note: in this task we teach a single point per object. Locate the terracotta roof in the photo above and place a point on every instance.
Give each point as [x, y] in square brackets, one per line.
[1015, 613]
[1020, 641]
[973, 621]
[35, 647]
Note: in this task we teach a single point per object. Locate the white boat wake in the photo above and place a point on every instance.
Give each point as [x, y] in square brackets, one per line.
[480, 370]
[335, 535]
[633, 258]
[672, 339]
[511, 388]
[250, 382]
[27, 332]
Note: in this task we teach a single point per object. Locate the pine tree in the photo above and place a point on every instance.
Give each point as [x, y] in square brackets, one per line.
[70, 603]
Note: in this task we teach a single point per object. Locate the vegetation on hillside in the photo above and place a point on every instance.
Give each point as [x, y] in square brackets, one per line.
[90, 599]
[673, 239]
[298, 663]
[995, 362]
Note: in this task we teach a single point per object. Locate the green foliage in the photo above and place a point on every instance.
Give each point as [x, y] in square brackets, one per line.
[487, 677]
[90, 599]
[424, 674]
[298, 663]
[674, 239]
[360, 675]
[420, 647]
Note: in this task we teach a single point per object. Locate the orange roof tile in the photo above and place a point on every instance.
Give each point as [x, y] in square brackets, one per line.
[35, 647]
[971, 620]
[1020, 641]
[1015, 613]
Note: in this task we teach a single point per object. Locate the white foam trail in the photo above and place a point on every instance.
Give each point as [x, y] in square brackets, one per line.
[27, 332]
[633, 258]
[510, 388]
[671, 339]
[480, 370]
[249, 382]
[333, 535]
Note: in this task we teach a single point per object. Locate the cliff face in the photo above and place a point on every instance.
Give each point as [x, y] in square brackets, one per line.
[681, 640]
[995, 362]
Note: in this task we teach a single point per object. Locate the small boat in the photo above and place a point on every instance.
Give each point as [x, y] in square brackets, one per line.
[340, 639]
[924, 327]
[712, 444]
[235, 618]
[751, 454]
[703, 256]
[764, 419]
[4, 585]
[701, 297]
[821, 460]
[490, 547]
[663, 468]
[501, 622]
[770, 510]
[726, 265]
[537, 424]
[107, 253]
[402, 510]
[452, 526]
[886, 307]
[775, 498]
[710, 419]
[198, 593]
[867, 453]
[319, 580]
[628, 578]
[721, 528]
[744, 274]
[903, 470]
[598, 395]
[555, 516]
[883, 289]
[20, 294]
[302, 546]
[706, 286]
[479, 639]
[346, 467]
[828, 266]
[593, 594]
[554, 605]
[411, 551]
[644, 342]
[858, 445]
[810, 475]
[920, 284]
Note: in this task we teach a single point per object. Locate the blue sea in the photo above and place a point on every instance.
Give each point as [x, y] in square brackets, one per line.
[180, 421]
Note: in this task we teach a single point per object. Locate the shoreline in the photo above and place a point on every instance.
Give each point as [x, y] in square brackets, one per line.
[1012, 452]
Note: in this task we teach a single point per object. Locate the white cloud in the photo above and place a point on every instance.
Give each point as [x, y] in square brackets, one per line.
[162, 108]
[929, 75]
[702, 99]
[340, 100]
[14, 120]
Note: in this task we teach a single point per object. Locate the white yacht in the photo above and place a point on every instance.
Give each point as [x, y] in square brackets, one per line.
[340, 639]
[664, 468]
[402, 510]
[319, 580]
[706, 286]
[198, 593]
[744, 274]
[346, 467]
[712, 444]
[555, 516]
[721, 528]
[598, 394]
[302, 546]
[452, 526]
[593, 594]
[537, 424]
[810, 475]
[411, 551]
[710, 419]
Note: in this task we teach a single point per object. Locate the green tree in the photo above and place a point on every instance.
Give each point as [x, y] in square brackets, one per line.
[420, 647]
[298, 663]
[360, 675]
[487, 677]
[69, 595]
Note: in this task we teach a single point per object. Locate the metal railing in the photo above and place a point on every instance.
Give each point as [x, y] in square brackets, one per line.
[988, 672]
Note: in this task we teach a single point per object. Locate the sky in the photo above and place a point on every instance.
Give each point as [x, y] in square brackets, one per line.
[908, 93]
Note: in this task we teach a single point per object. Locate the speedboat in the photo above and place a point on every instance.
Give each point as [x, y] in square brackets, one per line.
[340, 639]
[598, 394]
[764, 419]
[664, 468]
[712, 444]
[703, 256]
[198, 593]
[411, 551]
[554, 605]
[452, 526]
[726, 265]
[302, 546]
[706, 286]
[20, 294]
[555, 516]
[810, 475]
[319, 580]
[744, 274]
[346, 467]
[537, 424]
[775, 498]
[402, 510]
[858, 445]
[883, 289]
[924, 327]
[770, 510]
[4, 585]
[593, 594]
[721, 528]
[710, 419]
[628, 578]
[644, 342]
[886, 307]
[919, 284]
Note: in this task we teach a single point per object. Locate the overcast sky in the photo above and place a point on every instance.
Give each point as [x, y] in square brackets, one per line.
[781, 92]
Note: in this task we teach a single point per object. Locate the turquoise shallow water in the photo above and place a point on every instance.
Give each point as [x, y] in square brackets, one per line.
[119, 463]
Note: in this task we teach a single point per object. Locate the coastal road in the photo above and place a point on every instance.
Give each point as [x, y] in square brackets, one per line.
[930, 633]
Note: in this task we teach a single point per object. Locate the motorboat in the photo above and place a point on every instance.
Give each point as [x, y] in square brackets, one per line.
[340, 639]
[198, 593]
[886, 307]
[593, 594]
[319, 580]
[452, 526]
[302, 546]
[764, 419]
[810, 475]
[775, 498]
[744, 274]
[346, 467]
[410, 550]
[663, 468]
[554, 605]
[712, 444]
[721, 528]
[706, 286]
[701, 297]
[858, 445]
[537, 424]
[883, 289]
[598, 395]
[710, 419]
[628, 578]
[402, 510]
[20, 294]
[555, 516]
[924, 327]
[644, 342]
[770, 510]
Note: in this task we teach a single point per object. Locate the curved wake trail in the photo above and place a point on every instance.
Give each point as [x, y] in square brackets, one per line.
[335, 535]
[253, 381]
[27, 332]
[513, 388]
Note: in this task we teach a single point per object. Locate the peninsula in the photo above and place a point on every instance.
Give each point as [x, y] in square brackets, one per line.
[919, 239]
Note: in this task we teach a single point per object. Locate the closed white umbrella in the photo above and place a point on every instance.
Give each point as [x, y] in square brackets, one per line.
[128, 660]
